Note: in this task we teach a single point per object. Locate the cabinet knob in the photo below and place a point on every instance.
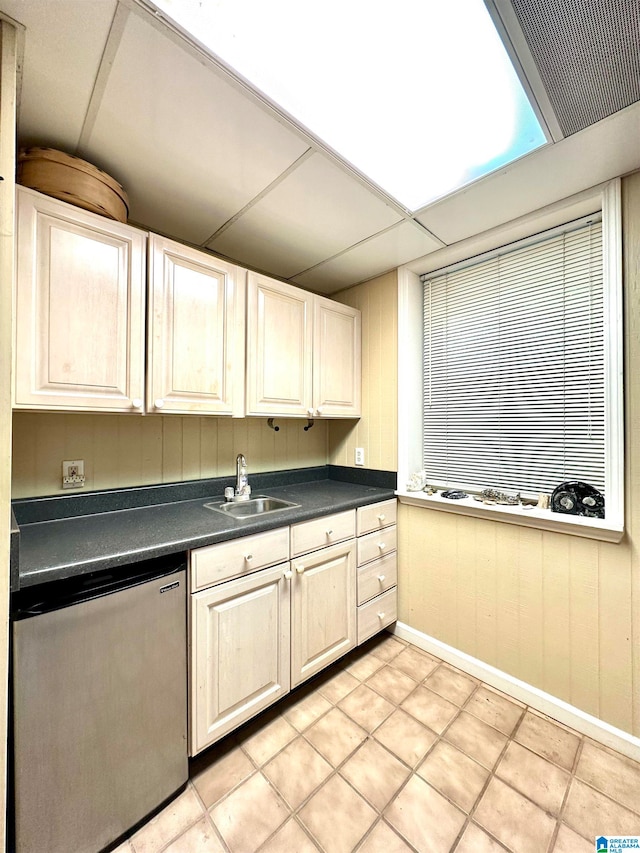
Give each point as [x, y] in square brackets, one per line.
[381, 517]
[159, 404]
[381, 545]
[381, 578]
[249, 557]
[136, 403]
[380, 615]
[329, 532]
[299, 568]
[318, 412]
[310, 412]
[288, 575]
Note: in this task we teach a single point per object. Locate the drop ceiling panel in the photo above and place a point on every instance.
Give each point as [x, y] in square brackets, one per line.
[190, 149]
[596, 154]
[315, 212]
[396, 246]
[63, 48]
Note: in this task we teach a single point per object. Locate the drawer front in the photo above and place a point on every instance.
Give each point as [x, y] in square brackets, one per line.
[215, 563]
[311, 535]
[376, 577]
[377, 614]
[376, 516]
[377, 544]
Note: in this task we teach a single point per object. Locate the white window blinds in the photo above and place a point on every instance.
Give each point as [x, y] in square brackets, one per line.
[514, 368]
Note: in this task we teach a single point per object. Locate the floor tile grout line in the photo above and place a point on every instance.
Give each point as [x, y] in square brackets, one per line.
[491, 775]
[209, 816]
[381, 819]
[412, 771]
[292, 816]
[178, 834]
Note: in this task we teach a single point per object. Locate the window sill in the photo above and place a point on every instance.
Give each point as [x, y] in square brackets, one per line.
[542, 519]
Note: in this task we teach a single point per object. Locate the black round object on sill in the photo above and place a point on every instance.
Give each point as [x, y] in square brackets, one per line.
[577, 498]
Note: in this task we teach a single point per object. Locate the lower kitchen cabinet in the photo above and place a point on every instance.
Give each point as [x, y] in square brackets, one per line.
[258, 630]
[377, 568]
[240, 652]
[323, 612]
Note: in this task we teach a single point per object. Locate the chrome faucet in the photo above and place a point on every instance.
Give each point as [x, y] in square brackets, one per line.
[242, 491]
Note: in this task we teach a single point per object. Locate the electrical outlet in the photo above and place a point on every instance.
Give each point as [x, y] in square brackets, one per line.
[73, 474]
[359, 455]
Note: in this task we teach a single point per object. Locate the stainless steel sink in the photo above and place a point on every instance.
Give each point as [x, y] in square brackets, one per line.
[259, 505]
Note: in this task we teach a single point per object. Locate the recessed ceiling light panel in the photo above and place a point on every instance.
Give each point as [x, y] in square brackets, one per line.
[419, 95]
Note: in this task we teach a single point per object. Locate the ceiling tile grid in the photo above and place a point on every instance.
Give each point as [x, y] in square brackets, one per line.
[599, 153]
[190, 148]
[207, 161]
[378, 254]
[316, 212]
[60, 65]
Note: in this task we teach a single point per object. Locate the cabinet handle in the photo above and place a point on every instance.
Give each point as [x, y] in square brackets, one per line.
[249, 557]
[288, 575]
[159, 403]
[299, 569]
[136, 403]
[310, 412]
[381, 517]
[329, 532]
[381, 545]
[380, 615]
[381, 578]
[318, 412]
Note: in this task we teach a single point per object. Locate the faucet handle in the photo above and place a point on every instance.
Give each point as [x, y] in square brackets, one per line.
[228, 493]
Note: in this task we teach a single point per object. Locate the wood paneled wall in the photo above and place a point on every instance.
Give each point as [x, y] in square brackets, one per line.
[130, 450]
[376, 431]
[559, 612]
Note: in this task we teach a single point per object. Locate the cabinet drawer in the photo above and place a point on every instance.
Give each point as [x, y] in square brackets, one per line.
[376, 544]
[215, 563]
[377, 614]
[311, 535]
[376, 516]
[377, 577]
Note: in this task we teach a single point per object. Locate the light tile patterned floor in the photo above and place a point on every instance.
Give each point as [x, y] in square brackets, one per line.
[392, 751]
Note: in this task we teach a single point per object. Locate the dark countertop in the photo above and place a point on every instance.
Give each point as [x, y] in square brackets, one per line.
[14, 552]
[59, 548]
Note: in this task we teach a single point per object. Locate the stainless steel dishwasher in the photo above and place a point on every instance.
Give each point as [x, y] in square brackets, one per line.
[99, 704]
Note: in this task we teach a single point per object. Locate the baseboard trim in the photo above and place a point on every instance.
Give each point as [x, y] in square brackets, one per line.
[547, 704]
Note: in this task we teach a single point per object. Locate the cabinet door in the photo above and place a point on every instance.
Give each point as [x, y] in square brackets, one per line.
[279, 348]
[196, 331]
[323, 609]
[79, 309]
[239, 652]
[337, 360]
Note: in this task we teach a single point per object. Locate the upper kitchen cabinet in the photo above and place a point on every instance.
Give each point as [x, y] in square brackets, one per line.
[337, 359]
[279, 348]
[303, 353]
[79, 331]
[196, 332]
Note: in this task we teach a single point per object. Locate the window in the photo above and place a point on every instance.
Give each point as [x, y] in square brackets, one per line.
[514, 367]
[518, 352]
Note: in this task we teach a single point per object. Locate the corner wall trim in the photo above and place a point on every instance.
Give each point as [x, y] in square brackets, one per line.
[547, 704]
